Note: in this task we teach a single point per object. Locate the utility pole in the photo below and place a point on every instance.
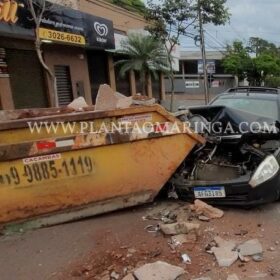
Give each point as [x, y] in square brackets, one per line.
[203, 53]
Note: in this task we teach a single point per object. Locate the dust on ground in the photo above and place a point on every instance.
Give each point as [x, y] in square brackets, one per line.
[120, 250]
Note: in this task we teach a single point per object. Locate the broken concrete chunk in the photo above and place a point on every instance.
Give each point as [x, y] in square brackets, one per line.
[180, 239]
[203, 218]
[78, 104]
[202, 208]
[143, 100]
[233, 277]
[202, 278]
[230, 245]
[115, 275]
[123, 101]
[105, 99]
[158, 271]
[179, 228]
[129, 277]
[224, 256]
[250, 248]
[243, 259]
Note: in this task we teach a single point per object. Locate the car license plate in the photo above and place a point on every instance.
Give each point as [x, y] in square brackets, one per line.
[209, 192]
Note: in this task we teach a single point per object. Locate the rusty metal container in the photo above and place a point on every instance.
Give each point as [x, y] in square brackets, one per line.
[82, 169]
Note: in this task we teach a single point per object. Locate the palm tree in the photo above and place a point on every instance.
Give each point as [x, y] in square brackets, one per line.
[143, 54]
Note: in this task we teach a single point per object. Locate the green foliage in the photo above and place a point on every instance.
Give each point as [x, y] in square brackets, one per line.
[237, 60]
[271, 81]
[144, 54]
[259, 46]
[171, 18]
[132, 5]
[213, 11]
[265, 62]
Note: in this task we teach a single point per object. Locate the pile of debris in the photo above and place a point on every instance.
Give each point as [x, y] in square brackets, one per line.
[107, 99]
[181, 231]
[228, 252]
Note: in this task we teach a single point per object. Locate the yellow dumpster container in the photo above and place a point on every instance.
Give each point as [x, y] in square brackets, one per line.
[80, 164]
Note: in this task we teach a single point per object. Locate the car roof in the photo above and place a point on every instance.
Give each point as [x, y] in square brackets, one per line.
[250, 92]
[255, 90]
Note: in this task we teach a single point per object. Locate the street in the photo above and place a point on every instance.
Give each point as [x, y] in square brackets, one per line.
[118, 242]
[139, 140]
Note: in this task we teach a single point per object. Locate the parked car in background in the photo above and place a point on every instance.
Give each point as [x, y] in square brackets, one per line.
[239, 164]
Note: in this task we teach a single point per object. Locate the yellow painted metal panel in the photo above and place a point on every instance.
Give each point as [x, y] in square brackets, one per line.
[71, 179]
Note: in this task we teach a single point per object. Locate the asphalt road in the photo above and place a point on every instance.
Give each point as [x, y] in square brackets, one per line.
[118, 241]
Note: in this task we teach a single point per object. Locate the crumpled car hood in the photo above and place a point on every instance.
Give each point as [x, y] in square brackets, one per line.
[225, 115]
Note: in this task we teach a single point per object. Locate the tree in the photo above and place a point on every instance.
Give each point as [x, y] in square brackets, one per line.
[237, 61]
[170, 19]
[213, 11]
[266, 64]
[271, 81]
[133, 5]
[144, 54]
[37, 9]
[255, 69]
[258, 46]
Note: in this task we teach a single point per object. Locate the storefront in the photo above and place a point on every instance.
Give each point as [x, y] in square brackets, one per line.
[74, 45]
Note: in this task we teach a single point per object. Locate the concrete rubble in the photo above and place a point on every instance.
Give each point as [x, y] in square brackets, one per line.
[203, 209]
[107, 99]
[183, 238]
[202, 278]
[233, 277]
[250, 248]
[224, 256]
[129, 277]
[224, 253]
[78, 104]
[227, 244]
[139, 99]
[158, 271]
[179, 228]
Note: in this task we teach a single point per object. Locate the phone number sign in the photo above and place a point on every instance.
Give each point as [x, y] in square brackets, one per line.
[58, 36]
[43, 169]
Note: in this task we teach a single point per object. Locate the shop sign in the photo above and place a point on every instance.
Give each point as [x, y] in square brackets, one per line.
[59, 24]
[192, 84]
[215, 84]
[210, 66]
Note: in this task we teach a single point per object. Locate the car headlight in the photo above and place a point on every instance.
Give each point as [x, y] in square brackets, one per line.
[266, 170]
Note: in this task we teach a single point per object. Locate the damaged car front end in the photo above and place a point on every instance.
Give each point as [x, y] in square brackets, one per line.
[238, 165]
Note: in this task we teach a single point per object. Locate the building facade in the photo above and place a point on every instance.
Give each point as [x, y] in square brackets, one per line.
[189, 79]
[78, 43]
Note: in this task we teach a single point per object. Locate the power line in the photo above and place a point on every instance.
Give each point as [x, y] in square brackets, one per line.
[216, 40]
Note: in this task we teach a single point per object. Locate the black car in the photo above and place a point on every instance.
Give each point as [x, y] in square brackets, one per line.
[239, 164]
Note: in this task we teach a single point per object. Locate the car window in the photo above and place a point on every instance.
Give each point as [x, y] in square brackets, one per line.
[265, 108]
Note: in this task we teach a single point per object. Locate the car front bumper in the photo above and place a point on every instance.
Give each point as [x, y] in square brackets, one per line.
[238, 192]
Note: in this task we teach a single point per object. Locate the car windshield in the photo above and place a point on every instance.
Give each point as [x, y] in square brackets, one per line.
[260, 107]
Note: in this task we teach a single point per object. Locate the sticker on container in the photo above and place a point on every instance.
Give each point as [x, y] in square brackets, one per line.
[136, 118]
[41, 158]
[42, 145]
[64, 143]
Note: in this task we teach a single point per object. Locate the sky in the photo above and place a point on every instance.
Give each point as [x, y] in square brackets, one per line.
[249, 18]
